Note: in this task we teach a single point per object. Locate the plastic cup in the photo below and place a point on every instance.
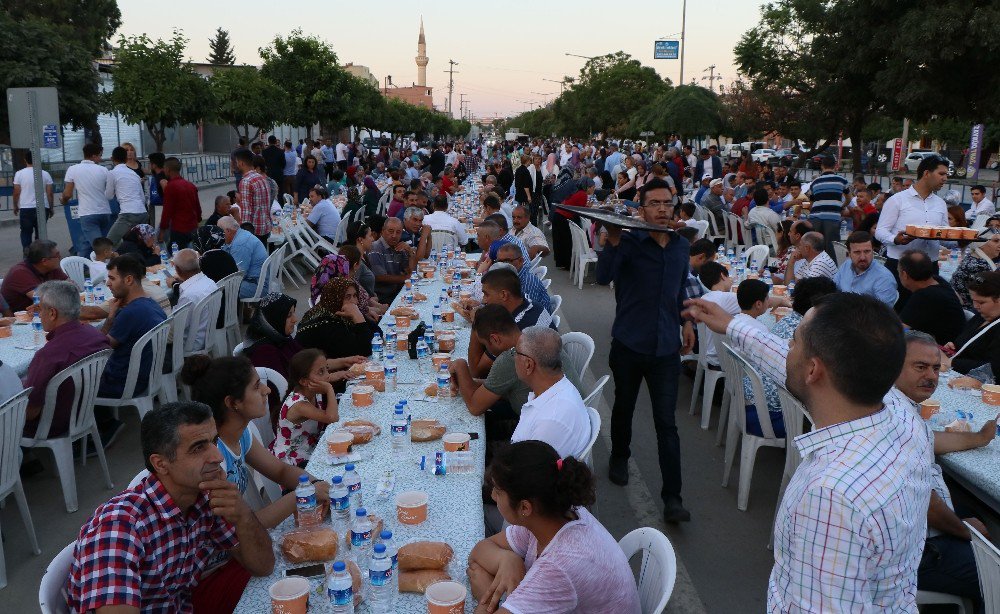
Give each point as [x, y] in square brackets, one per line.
[290, 596]
[928, 408]
[445, 597]
[403, 322]
[456, 442]
[339, 442]
[363, 396]
[22, 317]
[411, 507]
[374, 372]
[780, 290]
[440, 358]
[991, 394]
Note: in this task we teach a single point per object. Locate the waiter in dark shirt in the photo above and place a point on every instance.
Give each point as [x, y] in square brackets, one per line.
[649, 270]
[274, 161]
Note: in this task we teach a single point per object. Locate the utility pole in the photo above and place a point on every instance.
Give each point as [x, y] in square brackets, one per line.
[562, 84]
[711, 78]
[684, 8]
[451, 81]
[461, 106]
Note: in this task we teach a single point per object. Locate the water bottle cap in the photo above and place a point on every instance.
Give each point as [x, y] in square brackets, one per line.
[339, 566]
[336, 479]
[399, 410]
[349, 467]
[385, 534]
[303, 479]
[379, 548]
[361, 512]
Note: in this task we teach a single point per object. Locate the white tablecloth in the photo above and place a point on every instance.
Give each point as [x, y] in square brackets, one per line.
[455, 508]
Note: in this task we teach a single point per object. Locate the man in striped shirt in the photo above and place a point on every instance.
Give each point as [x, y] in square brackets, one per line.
[254, 196]
[827, 194]
[849, 531]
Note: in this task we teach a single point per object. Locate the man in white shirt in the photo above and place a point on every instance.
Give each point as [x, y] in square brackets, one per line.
[919, 204]
[818, 262]
[25, 205]
[714, 277]
[761, 213]
[342, 151]
[982, 208]
[555, 412]
[689, 156]
[88, 181]
[450, 155]
[441, 221]
[192, 286]
[565, 153]
[124, 184]
[528, 233]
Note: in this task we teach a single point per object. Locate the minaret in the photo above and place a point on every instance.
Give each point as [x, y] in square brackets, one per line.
[421, 57]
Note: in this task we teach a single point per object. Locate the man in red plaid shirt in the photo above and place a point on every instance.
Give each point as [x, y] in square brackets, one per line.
[253, 194]
[152, 548]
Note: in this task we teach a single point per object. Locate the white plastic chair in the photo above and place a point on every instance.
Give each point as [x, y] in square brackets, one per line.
[76, 267]
[658, 570]
[156, 341]
[580, 347]
[597, 390]
[317, 240]
[583, 254]
[534, 261]
[50, 591]
[738, 426]
[12, 417]
[840, 251]
[757, 257]
[988, 564]
[546, 283]
[270, 276]
[273, 380]
[178, 327]
[85, 378]
[766, 236]
[555, 321]
[705, 378]
[204, 314]
[587, 456]
[793, 412]
[264, 486]
[540, 272]
[556, 302]
[442, 239]
[238, 349]
[934, 598]
[229, 335]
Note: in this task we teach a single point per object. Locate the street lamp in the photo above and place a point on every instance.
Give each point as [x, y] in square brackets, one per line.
[586, 57]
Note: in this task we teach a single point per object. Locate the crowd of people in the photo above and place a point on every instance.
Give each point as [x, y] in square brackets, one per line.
[193, 531]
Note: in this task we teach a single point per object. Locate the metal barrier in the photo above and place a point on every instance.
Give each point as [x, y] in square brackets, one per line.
[963, 187]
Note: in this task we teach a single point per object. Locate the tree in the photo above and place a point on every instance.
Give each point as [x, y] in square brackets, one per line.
[689, 110]
[221, 53]
[54, 43]
[179, 97]
[365, 104]
[306, 69]
[244, 98]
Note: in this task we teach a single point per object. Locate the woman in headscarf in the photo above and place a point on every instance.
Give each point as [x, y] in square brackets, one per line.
[336, 324]
[269, 341]
[331, 267]
[361, 236]
[140, 241]
[574, 158]
[371, 196]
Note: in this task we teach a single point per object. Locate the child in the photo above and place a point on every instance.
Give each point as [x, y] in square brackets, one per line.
[103, 252]
[310, 403]
[753, 299]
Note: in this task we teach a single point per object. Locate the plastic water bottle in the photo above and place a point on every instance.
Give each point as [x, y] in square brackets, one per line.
[954, 259]
[434, 255]
[444, 382]
[164, 258]
[305, 502]
[36, 327]
[430, 338]
[436, 314]
[391, 369]
[361, 534]
[400, 433]
[767, 277]
[720, 253]
[391, 553]
[340, 502]
[353, 483]
[377, 345]
[340, 590]
[88, 290]
[408, 299]
[422, 349]
[843, 229]
[380, 597]
[390, 337]
[791, 287]
[173, 248]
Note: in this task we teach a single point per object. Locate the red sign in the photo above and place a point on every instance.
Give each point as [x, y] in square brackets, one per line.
[840, 149]
[897, 153]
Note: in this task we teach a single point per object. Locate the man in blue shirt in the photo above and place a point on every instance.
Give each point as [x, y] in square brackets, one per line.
[329, 157]
[248, 252]
[862, 274]
[324, 217]
[531, 286]
[649, 270]
[827, 195]
[614, 159]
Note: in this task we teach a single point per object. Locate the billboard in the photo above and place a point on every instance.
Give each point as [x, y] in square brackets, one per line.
[666, 50]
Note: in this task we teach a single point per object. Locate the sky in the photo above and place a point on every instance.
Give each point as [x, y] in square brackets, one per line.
[504, 50]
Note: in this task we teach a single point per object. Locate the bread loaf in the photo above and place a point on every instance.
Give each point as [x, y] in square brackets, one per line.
[418, 581]
[427, 433]
[431, 390]
[312, 544]
[424, 555]
[352, 568]
[358, 422]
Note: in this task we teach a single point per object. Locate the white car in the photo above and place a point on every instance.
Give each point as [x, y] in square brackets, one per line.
[762, 155]
[913, 160]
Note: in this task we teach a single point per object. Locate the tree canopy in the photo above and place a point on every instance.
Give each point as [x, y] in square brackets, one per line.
[245, 98]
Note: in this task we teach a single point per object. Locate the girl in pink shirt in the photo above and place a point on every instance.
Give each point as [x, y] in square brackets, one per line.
[555, 556]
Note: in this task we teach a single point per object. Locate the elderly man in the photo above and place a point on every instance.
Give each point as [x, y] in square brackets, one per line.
[223, 207]
[716, 203]
[505, 238]
[391, 260]
[487, 233]
[948, 565]
[554, 412]
[125, 185]
[147, 548]
[191, 286]
[933, 306]
[531, 286]
[817, 262]
[440, 221]
[41, 264]
[862, 274]
[415, 233]
[838, 547]
[248, 252]
[528, 233]
[324, 217]
[67, 341]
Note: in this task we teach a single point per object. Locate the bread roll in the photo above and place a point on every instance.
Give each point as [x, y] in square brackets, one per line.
[376, 530]
[357, 369]
[418, 581]
[424, 555]
[427, 433]
[352, 568]
[313, 544]
[359, 422]
[431, 390]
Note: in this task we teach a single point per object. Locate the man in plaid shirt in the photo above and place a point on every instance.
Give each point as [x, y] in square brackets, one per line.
[254, 196]
[149, 548]
[849, 531]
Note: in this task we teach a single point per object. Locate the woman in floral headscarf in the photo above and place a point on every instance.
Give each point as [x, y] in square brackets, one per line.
[336, 324]
[140, 241]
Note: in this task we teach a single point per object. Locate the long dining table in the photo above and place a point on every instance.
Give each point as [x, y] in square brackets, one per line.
[455, 506]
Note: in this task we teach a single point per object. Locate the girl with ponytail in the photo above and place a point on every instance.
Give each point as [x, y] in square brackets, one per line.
[555, 556]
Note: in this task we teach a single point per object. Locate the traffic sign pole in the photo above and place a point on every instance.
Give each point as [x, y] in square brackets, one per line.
[41, 198]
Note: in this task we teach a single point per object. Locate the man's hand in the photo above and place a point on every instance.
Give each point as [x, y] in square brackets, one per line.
[901, 239]
[688, 337]
[978, 525]
[403, 246]
[987, 433]
[710, 314]
[226, 501]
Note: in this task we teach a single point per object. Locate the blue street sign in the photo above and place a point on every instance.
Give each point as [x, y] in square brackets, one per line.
[50, 136]
[666, 50]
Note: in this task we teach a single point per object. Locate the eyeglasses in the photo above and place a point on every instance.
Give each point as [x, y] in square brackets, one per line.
[508, 260]
[522, 354]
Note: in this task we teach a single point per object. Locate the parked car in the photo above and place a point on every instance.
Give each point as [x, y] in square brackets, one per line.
[815, 162]
[762, 155]
[784, 157]
[914, 159]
